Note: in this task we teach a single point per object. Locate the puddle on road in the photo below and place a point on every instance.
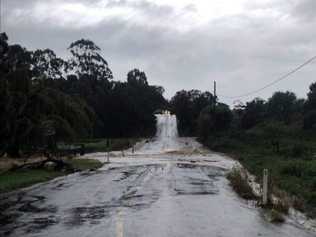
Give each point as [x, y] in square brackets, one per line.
[38, 224]
[16, 206]
[141, 187]
[80, 215]
[128, 189]
[195, 179]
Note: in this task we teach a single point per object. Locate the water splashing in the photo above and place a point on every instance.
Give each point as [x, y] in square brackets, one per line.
[166, 126]
[166, 138]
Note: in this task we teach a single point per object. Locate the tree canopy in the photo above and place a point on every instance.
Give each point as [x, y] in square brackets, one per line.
[45, 99]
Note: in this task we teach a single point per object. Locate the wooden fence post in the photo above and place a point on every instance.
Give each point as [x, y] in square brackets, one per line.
[108, 150]
[265, 187]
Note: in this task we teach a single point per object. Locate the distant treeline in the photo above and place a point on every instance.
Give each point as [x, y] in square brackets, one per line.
[199, 115]
[45, 99]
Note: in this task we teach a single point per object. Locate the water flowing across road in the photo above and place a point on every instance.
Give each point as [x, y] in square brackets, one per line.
[169, 187]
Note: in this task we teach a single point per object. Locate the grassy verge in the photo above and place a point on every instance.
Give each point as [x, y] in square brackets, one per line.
[274, 211]
[12, 180]
[100, 145]
[292, 168]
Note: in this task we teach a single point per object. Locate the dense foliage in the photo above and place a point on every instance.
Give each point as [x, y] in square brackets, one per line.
[200, 114]
[187, 105]
[45, 99]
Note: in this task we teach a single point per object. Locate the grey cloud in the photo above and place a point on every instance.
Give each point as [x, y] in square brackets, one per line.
[305, 9]
[149, 8]
[190, 8]
[241, 52]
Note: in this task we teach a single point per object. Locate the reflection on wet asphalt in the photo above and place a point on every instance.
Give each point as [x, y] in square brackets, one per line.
[157, 196]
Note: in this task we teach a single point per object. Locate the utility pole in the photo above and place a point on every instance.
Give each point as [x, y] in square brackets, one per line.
[0, 16]
[214, 95]
[108, 151]
[265, 187]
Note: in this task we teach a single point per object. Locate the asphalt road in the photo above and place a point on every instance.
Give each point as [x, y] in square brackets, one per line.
[167, 193]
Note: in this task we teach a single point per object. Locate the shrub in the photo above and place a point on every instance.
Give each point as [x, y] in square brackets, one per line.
[310, 120]
[239, 181]
[282, 205]
[298, 150]
[312, 199]
[293, 168]
[276, 217]
[298, 204]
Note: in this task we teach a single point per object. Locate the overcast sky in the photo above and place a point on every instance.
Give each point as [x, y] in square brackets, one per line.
[180, 44]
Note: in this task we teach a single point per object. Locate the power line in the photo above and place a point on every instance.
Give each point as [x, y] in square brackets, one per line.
[273, 82]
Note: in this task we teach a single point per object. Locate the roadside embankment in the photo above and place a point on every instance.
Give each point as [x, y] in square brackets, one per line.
[291, 168]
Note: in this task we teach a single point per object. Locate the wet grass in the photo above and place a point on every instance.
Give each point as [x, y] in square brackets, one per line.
[12, 180]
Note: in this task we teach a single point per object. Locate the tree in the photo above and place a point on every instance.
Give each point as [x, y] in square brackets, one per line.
[86, 60]
[310, 120]
[26, 106]
[310, 108]
[46, 63]
[187, 105]
[253, 114]
[311, 98]
[282, 105]
[45, 100]
[137, 77]
[214, 120]
[17, 85]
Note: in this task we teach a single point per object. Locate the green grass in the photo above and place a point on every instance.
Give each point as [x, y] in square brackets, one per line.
[12, 180]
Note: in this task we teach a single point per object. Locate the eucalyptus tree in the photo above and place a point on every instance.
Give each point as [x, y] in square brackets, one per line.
[86, 60]
[46, 63]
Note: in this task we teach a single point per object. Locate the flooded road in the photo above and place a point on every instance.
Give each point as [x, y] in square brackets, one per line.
[170, 187]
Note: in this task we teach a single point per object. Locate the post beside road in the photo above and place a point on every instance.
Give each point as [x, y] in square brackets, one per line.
[108, 150]
[265, 187]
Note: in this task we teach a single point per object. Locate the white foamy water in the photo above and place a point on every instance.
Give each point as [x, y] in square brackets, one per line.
[166, 139]
[166, 126]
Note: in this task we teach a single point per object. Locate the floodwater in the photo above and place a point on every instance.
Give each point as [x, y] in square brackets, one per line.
[170, 187]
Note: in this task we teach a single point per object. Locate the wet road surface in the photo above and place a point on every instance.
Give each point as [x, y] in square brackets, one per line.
[170, 187]
[141, 195]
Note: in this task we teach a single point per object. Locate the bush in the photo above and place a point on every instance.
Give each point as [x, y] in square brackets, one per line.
[310, 120]
[276, 217]
[312, 199]
[298, 204]
[298, 150]
[282, 205]
[239, 181]
[293, 168]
